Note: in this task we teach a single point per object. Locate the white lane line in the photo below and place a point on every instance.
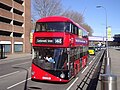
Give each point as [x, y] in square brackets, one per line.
[94, 58]
[84, 69]
[90, 62]
[6, 61]
[17, 84]
[9, 74]
[72, 84]
[21, 63]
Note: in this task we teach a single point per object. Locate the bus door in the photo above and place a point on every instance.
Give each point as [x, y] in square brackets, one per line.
[70, 62]
[81, 55]
[63, 58]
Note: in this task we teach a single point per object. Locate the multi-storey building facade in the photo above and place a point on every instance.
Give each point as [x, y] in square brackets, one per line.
[15, 26]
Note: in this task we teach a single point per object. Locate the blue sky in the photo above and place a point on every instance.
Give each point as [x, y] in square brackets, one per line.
[96, 17]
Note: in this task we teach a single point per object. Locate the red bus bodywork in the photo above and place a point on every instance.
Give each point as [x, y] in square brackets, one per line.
[64, 40]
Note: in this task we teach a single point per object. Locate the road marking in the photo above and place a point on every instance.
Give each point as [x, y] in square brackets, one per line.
[72, 84]
[17, 84]
[84, 69]
[90, 62]
[21, 63]
[94, 58]
[9, 74]
[12, 60]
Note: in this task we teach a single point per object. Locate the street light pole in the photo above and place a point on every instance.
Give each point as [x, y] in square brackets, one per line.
[108, 81]
[108, 61]
[106, 28]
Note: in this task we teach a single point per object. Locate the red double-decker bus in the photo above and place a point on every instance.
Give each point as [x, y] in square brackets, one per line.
[60, 49]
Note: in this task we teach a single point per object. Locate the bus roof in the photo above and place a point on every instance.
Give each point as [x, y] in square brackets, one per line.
[54, 19]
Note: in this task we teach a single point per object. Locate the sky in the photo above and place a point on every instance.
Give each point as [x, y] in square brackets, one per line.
[96, 17]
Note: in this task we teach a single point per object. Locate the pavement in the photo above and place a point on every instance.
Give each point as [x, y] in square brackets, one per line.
[115, 64]
[15, 56]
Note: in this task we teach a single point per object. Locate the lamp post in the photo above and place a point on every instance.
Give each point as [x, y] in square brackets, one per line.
[108, 81]
[106, 27]
[107, 61]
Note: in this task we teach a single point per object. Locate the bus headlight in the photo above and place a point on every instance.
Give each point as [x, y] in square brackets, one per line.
[62, 75]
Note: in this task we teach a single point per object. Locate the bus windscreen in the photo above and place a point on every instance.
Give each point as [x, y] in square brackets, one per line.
[52, 27]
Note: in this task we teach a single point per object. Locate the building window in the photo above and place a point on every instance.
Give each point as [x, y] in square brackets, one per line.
[5, 7]
[5, 20]
[19, 1]
[17, 12]
[17, 23]
[18, 47]
[4, 33]
[17, 34]
[7, 48]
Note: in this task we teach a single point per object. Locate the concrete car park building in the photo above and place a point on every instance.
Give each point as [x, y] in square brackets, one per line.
[15, 26]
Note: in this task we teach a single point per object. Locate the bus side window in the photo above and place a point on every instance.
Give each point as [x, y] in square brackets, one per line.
[67, 29]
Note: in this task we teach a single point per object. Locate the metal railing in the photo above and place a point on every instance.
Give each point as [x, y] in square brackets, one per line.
[90, 80]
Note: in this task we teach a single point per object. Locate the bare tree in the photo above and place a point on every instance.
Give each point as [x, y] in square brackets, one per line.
[78, 18]
[88, 28]
[75, 16]
[47, 7]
